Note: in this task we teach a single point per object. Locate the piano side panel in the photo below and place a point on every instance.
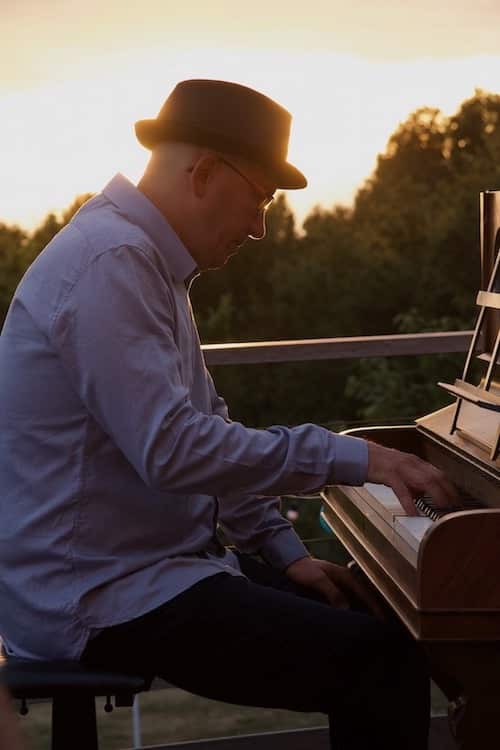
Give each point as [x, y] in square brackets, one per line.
[459, 561]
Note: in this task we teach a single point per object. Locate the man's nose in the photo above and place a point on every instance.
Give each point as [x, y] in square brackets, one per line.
[258, 228]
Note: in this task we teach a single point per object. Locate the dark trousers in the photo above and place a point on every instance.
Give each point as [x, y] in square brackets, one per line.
[263, 641]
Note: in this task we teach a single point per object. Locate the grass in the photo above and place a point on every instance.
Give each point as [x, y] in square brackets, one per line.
[172, 715]
[168, 716]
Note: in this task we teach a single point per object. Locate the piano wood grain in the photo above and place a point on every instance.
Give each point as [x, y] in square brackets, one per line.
[456, 562]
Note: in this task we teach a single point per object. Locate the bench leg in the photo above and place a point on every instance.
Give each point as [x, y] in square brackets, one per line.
[74, 724]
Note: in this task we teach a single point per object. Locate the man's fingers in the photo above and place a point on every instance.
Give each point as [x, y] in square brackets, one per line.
[423, 479]
[405, 498]
[410, 477]
[351, 583]
[338, 585]
[443, 492]
[332, 593]
[352, 590]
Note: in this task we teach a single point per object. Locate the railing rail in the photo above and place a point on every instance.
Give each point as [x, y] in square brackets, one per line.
[350, 347]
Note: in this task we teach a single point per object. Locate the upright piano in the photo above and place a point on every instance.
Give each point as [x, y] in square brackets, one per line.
[439, 572]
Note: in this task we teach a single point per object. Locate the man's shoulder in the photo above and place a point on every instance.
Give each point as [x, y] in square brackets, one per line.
[93, 235]
[100, 227]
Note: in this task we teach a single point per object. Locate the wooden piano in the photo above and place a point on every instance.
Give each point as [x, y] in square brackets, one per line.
[440, 573]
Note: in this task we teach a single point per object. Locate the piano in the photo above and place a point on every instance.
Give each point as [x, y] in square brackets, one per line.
[439, 573]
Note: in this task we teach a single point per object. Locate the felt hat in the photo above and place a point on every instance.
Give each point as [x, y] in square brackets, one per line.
[230, 118]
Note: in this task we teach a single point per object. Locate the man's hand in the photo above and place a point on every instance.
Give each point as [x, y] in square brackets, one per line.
[334, 582]
[409, 477]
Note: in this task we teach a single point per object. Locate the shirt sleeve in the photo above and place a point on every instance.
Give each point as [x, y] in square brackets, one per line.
[218, 404]
[255, 524]
[116, 334]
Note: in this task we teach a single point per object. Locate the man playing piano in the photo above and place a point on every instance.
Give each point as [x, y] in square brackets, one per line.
[118, 459]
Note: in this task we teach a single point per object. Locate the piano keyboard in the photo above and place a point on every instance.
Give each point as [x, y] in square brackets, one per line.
[382, 508]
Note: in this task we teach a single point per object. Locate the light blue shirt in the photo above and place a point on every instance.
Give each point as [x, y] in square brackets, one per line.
[117, 456]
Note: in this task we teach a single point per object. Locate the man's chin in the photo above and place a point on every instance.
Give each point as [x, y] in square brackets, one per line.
[219, 263]
[221, 260]
[228, 255]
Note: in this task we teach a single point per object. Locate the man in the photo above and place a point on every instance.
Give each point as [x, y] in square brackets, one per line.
[118, 459]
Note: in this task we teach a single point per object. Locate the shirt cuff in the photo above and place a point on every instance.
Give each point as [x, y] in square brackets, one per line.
[283, 549]
[351, 461]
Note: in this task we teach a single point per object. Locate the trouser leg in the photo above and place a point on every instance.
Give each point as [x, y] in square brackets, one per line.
[231, 639]
[401, 705]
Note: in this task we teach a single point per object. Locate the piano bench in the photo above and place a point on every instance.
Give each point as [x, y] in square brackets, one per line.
[72, 687]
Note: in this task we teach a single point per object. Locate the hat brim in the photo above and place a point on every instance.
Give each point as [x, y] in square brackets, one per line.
[150, 133]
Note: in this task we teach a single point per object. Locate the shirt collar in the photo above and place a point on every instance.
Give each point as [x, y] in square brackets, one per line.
[139, 209]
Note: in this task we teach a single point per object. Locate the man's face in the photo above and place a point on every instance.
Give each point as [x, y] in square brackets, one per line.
[236, 210]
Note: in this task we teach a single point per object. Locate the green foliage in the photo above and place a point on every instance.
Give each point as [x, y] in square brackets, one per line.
[405, 387]
[13, 261]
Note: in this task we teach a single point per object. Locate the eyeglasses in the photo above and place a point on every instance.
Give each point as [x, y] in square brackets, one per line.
[264, 199]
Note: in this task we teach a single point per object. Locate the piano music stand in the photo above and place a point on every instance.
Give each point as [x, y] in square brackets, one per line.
[486, 396]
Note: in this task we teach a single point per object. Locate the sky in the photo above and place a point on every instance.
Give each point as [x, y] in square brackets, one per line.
[75, 76]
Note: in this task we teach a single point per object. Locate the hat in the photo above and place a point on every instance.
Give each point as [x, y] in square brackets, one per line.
[230, 118]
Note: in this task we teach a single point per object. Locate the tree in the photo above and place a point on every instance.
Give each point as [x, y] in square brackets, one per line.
[403, 388]
[422, 258]
[13, 262]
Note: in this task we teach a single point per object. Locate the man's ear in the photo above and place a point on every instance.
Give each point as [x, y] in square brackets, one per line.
[202, 174]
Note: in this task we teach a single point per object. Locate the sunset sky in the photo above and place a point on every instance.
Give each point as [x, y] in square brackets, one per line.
[75, 76]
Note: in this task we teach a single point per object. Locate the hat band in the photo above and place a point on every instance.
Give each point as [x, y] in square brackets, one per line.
[179, 131]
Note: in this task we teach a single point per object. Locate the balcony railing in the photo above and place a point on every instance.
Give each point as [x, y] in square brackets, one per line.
[351, 347]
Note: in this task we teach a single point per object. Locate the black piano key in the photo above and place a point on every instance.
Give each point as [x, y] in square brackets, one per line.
[425, 504]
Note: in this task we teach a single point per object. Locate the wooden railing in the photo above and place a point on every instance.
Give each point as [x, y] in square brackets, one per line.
[352, 347]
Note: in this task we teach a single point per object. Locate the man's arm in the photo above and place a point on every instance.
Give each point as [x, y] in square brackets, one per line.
[256, 525]
[409, 477]
[117, 339]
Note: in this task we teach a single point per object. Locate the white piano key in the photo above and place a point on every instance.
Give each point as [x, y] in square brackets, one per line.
[380, 509]
[383, 500]
[413, 529]
[360, 500]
